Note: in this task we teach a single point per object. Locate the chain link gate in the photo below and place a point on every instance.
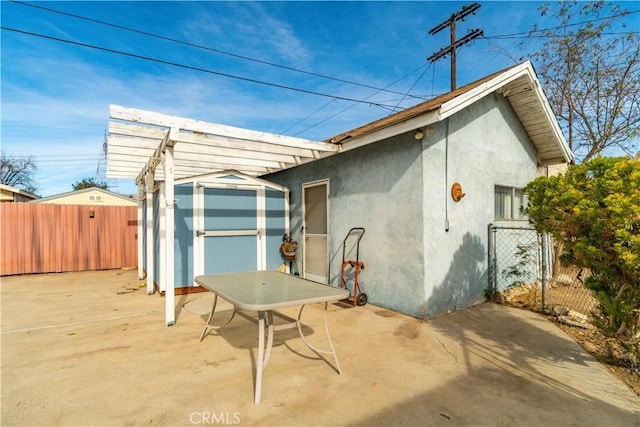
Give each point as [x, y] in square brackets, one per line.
[523, 271]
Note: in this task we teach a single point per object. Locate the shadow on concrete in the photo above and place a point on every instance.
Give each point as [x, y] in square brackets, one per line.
[532, 375]
[240, 329]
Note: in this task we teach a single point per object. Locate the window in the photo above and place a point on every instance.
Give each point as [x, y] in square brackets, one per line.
[508, 202]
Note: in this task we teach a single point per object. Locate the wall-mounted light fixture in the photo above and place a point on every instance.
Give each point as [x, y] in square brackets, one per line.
[418, 135]
[92, 214]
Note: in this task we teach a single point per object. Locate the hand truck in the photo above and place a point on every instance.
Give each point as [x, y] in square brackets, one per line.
[358, 297]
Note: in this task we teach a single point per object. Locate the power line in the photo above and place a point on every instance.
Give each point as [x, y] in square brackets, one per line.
[411, 88]
[333, 98]
[433, 77]
[352, 105]
[69, 159]
[308, 116]
[36, 156]
[190, 67]
[222, 52]
[527, 34]
[508, 37]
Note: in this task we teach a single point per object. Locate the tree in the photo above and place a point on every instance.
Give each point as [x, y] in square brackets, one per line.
[88, 183]
[18, 172]
[590, 72]
[594, 209]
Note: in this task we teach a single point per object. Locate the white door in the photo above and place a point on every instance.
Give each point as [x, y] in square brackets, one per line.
[315, 264]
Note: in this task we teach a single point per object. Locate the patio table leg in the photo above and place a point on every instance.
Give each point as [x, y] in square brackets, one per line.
[326, 328]
[263, 358]
[206, 325]
[213, 309]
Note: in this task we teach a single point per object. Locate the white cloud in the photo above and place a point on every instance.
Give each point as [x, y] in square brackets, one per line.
[247, 29]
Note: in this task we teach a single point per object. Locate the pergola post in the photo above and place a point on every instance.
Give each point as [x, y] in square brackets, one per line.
[141, 229]
[169, 278]
[150, 178]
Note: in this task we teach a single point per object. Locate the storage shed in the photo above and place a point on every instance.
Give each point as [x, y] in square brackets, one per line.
[223, 222]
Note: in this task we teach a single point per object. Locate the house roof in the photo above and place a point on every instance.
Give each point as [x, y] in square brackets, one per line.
[138, 139]
[19, 191]
[82, 191]
[518, 84]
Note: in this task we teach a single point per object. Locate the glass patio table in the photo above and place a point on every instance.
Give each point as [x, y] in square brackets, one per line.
[264, 292]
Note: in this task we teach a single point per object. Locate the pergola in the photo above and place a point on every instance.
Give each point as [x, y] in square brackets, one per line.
[149, 147]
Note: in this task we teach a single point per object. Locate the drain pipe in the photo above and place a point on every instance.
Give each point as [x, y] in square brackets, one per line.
[446, 176]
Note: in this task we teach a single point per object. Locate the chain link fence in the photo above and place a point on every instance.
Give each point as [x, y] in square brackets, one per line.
[524, 271]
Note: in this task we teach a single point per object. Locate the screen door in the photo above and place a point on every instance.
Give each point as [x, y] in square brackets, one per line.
[315, 203]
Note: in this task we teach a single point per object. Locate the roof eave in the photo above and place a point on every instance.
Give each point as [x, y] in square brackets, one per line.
[497, 84]
[408, 125]
[447, 108]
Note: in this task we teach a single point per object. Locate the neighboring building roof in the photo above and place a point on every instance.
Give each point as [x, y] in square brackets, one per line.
[518, 84]
[58, 197]
[9, 193]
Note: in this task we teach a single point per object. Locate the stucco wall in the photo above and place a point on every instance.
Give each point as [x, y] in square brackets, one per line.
[486, 146]
[412, 263]
[377, 187]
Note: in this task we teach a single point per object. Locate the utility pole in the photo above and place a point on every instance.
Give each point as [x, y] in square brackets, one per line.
[101, 175]
[455, 44]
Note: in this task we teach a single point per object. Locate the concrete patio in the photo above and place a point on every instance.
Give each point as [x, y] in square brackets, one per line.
[91, 348]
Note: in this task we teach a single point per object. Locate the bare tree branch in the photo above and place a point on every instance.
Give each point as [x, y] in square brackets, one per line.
[18, 172]
[592, 80]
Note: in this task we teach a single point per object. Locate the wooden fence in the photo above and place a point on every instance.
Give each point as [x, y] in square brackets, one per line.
[48, 238]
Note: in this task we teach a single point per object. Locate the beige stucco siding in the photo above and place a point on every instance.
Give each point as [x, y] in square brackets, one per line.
[91, 198]
[6, 196]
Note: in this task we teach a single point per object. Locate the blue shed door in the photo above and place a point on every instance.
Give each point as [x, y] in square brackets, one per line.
[230, 230]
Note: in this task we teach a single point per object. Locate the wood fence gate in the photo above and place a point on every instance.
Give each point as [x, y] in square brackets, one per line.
[48, 238]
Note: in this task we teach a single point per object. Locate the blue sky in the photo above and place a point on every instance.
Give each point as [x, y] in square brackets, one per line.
[56, 95]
